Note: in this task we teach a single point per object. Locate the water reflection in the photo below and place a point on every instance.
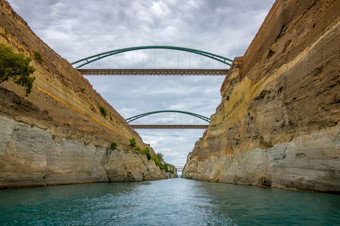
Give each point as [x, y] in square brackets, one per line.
[254, 205]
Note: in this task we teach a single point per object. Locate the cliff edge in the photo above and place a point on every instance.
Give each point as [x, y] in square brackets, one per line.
[57, 134]
[278, 122]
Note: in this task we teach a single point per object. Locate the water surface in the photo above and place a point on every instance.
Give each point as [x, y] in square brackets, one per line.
[166, 202]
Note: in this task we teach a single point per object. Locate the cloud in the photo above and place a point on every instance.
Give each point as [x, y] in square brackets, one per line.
[77, 29]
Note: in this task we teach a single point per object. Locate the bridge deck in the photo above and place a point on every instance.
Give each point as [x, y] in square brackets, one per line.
[169, 126]
[157, 72]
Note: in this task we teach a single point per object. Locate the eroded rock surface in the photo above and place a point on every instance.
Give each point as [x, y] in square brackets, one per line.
[278, 122]
[57, 134]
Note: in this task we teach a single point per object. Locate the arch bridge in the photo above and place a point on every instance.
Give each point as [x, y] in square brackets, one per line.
[88, 60]
[168, 126]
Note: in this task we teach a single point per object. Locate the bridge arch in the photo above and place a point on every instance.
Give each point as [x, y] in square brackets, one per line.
[133, 118]
[90, 59]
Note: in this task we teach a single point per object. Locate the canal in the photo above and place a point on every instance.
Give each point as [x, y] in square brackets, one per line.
[166, 202]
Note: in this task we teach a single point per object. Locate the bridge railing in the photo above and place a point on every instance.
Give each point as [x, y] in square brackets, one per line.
[131, 72]
[136, 126]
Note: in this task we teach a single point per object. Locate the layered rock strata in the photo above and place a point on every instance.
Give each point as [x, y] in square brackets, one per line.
[278, 122]
[57, 135]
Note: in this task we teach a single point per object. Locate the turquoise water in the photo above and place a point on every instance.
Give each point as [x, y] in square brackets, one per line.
[166, 202]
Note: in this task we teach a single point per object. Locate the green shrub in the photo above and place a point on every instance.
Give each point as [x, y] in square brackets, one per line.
[113, 146]
[133, 142]
[82, 90]
[147, 152]
[103, 111]
[110, 117]
[16, 66]
[156, 160]
[38, 57]
[160, 157]
[148, 155]
[166, 168]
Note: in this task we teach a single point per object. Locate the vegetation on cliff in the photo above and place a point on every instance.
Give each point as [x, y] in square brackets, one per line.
[38, 57]
[103, 111]
[133, 142]
[16, 66]
[158, 158]
[113, 146]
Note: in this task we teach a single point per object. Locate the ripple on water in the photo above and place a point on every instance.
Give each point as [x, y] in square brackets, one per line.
[167, 202]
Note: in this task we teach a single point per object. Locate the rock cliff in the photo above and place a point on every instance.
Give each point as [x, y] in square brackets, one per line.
[278, 121]
[57, 135]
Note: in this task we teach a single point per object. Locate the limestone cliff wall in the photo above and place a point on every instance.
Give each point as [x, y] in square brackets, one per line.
[278, 122]
[57, 134]
[32, 156]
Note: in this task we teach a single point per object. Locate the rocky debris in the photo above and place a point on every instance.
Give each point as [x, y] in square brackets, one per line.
[278, 122]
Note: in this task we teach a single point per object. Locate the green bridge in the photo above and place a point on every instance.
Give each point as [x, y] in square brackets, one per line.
[161, 71]
[168, 126]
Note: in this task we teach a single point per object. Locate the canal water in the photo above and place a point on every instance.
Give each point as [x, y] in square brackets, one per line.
[166, 202]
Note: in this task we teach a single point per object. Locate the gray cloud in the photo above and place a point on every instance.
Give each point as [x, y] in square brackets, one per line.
[76, 29]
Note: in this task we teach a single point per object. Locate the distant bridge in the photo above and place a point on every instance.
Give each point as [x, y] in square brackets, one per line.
[168, 126]
[179, 169]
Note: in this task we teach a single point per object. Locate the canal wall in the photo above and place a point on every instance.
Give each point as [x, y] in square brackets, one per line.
[57, 134]
[278, 121]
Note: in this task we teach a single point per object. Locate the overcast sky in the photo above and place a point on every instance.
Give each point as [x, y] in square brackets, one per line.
[77, 29]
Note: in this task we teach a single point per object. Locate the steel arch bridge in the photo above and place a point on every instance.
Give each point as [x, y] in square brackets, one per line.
[133, 118]
[87, 60]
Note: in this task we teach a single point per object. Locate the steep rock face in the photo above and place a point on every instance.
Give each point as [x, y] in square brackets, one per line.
[278, 121]
[31, 156]
[57, 134]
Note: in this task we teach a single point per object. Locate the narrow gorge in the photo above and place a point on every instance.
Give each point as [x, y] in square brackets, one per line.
[278, 121]
[58, 133]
